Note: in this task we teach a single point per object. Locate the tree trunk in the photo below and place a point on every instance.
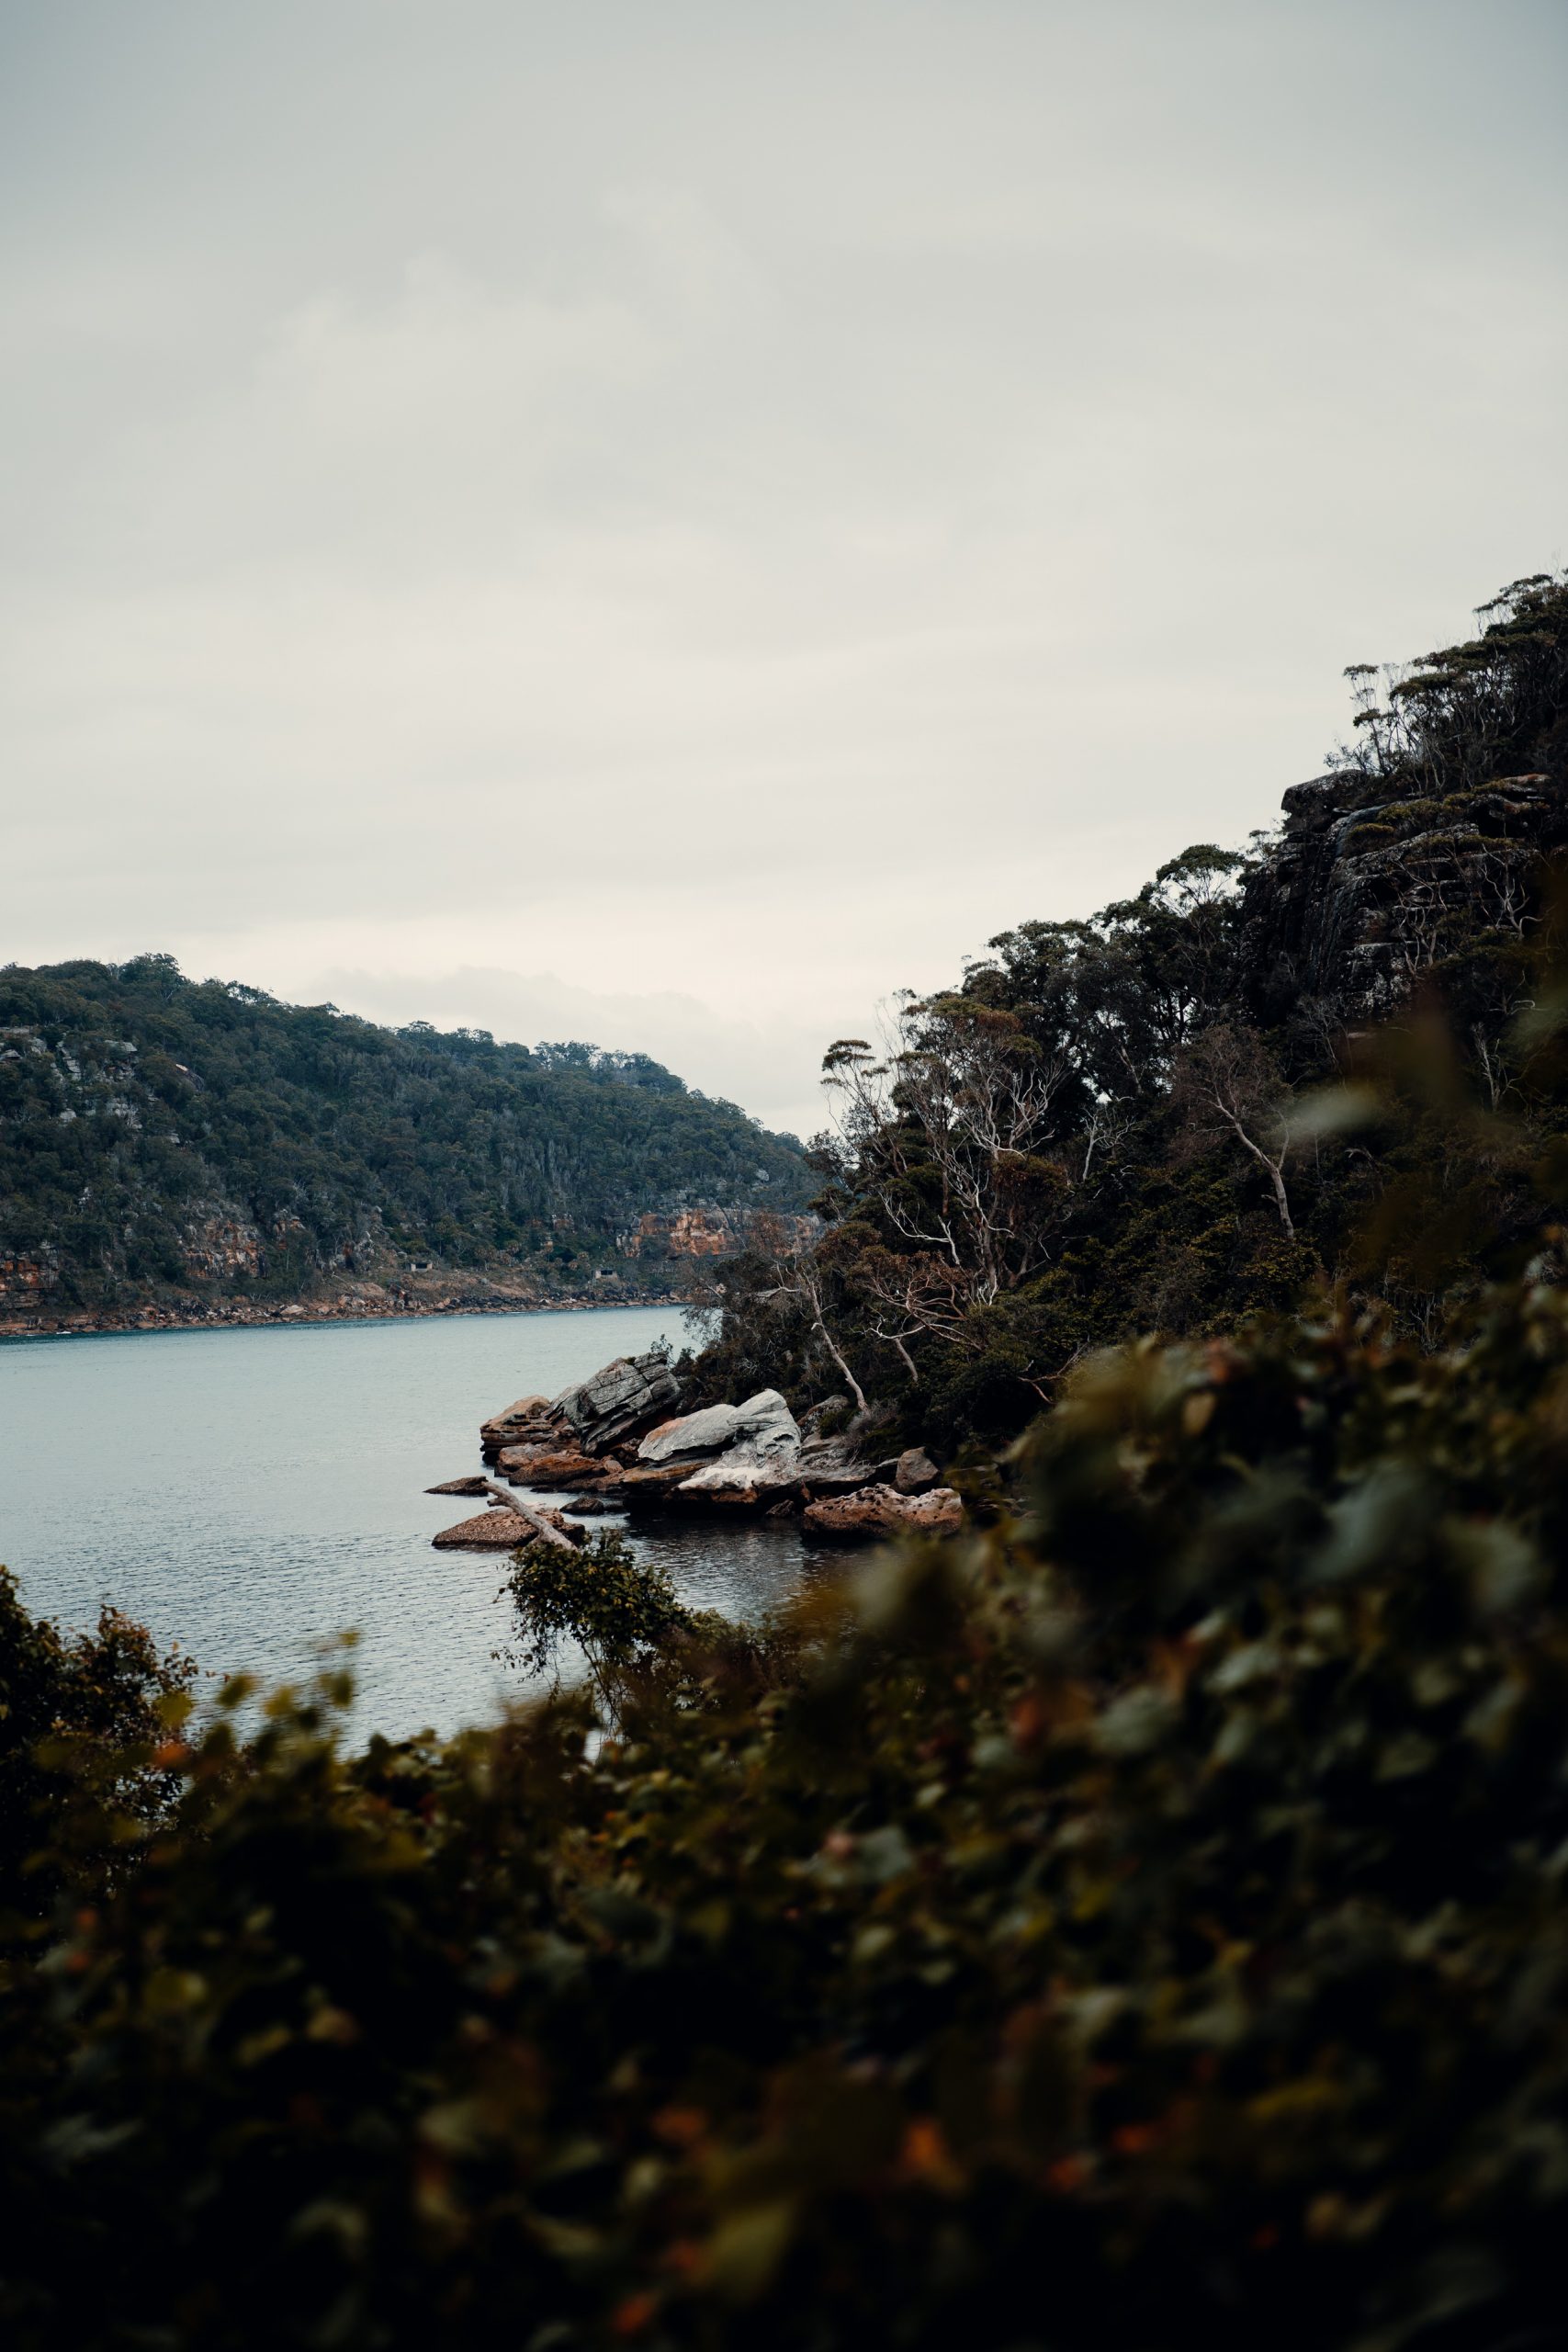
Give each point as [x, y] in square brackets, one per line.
[542, 1529]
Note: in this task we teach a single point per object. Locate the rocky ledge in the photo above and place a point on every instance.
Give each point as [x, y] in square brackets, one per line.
[617, 1443]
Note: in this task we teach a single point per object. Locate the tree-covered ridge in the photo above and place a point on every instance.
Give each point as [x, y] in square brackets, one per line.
[1158, 1118]
[158, 1130]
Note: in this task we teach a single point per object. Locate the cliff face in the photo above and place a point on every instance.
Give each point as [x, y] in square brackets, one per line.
[1370, 885]
[707, 1232]
[1426, 843]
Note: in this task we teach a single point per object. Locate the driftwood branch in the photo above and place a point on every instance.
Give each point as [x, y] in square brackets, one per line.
[541, 1527]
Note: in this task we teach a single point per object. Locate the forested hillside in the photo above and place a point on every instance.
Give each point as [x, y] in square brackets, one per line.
[158, 1134]
[1137, 1921]
[1315, 1060]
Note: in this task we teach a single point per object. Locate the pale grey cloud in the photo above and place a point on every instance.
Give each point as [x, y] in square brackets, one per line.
[729, 506]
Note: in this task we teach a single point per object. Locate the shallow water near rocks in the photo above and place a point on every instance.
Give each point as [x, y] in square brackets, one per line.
[250, 1493]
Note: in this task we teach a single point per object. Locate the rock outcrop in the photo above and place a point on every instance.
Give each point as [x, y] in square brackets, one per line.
[876, 1512]
[548, 1465]
[496, 1530]
[750, 1456]
[527, 1418]
[620, 1401]
[692, 1436]
[710, 1232]
[760, 1452]
[1371, 884]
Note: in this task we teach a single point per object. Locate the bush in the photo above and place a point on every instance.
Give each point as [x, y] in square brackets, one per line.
[88, 1746]
[1139, 1924]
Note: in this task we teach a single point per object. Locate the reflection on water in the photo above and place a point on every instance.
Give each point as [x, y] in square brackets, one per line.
[250, 1493]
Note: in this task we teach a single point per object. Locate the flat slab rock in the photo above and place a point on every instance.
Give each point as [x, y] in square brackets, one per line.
[499, 1530]
[645, 1478]
[490, 1530]
[528, 1417]
[545, 1465]
[474, 1486]
[876, 1512]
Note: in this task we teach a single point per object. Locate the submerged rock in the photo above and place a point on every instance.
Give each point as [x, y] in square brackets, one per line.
[878, 1512]
[474, 1486]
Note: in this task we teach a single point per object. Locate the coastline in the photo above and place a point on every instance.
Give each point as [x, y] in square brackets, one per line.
[288, 1314]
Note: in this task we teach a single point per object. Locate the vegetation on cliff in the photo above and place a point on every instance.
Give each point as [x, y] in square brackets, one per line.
[1192, 1104]
[158, 1131]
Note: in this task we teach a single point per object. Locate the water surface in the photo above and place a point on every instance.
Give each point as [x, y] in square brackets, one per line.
[250, 1493]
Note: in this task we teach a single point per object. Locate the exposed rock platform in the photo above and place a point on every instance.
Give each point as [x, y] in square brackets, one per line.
[617, 1442]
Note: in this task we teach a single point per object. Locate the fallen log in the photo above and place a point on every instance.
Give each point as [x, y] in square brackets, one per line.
[524, 1511]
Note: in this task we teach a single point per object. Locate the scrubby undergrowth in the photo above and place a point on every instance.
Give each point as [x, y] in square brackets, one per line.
[1142, 1923]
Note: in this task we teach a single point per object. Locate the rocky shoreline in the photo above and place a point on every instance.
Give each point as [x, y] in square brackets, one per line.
[618, 1441]
[361, 1307]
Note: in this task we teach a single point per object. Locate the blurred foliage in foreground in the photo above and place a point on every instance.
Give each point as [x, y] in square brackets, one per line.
[1139, 1924]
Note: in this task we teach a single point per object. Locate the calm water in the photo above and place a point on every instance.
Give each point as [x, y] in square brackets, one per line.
[250, 1493]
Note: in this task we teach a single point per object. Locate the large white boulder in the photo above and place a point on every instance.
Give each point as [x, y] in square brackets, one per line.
[763, 1428]
[763, 1453]
[766, 1425]
[708, 1431]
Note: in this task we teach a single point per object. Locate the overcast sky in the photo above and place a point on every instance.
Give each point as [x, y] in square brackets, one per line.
[667, 522]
